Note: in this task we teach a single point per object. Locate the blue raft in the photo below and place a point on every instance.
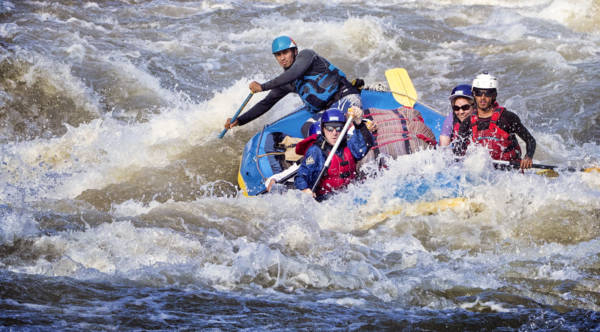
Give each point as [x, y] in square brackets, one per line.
[259, 162]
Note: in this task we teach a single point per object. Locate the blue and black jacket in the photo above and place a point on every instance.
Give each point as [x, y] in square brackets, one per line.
[312, 77]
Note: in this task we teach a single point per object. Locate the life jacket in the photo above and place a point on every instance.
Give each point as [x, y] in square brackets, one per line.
[340, 173]
[501, 145]
[303, 145]
[455, 127]
[317, 90]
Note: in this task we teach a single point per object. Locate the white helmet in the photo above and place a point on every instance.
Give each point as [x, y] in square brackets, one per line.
[485, 81]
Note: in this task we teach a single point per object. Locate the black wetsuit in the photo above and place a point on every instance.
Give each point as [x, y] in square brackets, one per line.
[509, 122]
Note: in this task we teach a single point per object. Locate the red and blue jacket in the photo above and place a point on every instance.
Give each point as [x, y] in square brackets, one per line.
[342, 169]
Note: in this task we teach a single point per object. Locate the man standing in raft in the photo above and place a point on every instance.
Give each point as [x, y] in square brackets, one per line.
[319, 83]
[495, 127]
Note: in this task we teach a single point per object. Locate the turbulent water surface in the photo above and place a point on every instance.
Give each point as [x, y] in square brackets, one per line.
[119, 206]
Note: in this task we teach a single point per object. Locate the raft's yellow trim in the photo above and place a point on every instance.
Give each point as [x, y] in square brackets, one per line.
[423, 209]
[241, 182]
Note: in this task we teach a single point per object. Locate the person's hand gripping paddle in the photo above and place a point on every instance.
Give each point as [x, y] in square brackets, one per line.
[237, 113]
[334, 149]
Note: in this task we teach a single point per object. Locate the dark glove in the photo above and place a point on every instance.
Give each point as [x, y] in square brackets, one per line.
[358, 83]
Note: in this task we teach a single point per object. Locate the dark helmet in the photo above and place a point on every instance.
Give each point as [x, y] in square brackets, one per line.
[332, 115]
[315, 128]
[461, 90]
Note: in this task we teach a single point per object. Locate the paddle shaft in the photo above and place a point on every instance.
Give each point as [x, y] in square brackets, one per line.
[416, 101]
[332, 153]
[237, 113]
[516, 164]
[282, 180]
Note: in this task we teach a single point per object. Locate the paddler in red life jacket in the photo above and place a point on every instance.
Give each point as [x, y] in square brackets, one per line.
[342, 169]
[461, 101]
[495, 127]
[319, 84]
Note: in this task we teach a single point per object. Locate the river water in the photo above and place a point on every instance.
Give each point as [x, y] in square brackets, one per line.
[119, 207]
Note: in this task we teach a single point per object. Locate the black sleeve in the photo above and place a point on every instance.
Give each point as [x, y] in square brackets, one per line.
[366, 134]
[459, 146]
[303, 61]
[511, 123]
[264, 105]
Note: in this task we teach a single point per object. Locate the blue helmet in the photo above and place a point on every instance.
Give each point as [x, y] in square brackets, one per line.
[332, 115]
[315, 128]
[282, 43]
[461, 90]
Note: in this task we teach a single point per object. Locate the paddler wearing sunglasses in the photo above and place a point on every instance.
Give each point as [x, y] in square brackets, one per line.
[462, 104]
[342, 169]
[495, 127]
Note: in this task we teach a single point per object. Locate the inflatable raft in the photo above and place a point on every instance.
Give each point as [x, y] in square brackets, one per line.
[265, 154]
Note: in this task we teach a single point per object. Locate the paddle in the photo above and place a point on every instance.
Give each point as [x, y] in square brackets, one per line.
[332, 153]
[237, 113]
[401, 86]
[282, 180]
[516, 164]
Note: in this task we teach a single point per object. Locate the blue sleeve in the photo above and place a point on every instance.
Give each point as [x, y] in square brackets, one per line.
[447, 126]
[309, 169]
[360, 142]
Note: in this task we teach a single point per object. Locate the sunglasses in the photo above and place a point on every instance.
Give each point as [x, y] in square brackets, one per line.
[487, 93]
[464, 107]
[332, 128]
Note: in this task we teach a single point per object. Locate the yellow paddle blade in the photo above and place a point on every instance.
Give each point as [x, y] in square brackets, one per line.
[592, 169]
[401, 86]
[549, 173]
